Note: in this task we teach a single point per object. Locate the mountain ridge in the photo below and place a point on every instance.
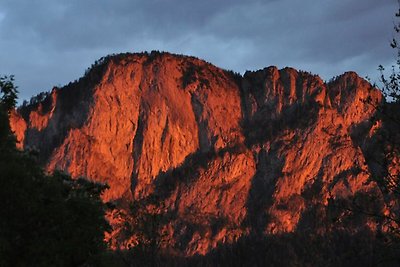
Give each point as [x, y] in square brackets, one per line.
[223, 155]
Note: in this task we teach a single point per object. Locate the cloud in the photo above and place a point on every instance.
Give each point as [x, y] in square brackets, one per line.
[51, 42]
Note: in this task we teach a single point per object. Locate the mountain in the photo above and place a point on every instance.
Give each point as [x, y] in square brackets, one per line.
[214, 155]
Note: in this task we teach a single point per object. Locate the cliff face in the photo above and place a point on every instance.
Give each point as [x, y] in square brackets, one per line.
[219, 156]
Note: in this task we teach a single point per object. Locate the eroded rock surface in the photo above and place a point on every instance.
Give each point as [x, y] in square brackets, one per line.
[219, 155]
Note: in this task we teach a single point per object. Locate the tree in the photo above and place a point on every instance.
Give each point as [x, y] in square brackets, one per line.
[383, 152]
[391, 84]
[8, 100]
[9, 92]
[380, 143]
[389, 113]
[46, 220]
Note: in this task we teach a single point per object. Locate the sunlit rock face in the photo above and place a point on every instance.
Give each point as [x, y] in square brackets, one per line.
[222, 155]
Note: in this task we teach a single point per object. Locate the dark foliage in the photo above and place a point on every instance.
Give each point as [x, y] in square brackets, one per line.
[383, 149]
[335, 248]
[46, 220]
[193, 73]
[8, 92]
[236, 76]
[188, 76]
[264, 126]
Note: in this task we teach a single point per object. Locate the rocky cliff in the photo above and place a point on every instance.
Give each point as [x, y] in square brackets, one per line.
[215, 155]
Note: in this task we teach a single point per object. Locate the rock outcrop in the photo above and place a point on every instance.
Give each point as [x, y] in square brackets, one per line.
[218, 155]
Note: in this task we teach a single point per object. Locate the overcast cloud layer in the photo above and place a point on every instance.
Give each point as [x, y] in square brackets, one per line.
[51, 42]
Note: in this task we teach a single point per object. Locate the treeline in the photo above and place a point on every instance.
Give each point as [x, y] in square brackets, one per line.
[46, 220]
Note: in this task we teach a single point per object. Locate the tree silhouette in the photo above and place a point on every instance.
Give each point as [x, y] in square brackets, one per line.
[46, 220]
[382, 152]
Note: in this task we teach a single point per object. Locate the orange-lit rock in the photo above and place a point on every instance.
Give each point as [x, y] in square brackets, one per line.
[222, 155]
[18, 126]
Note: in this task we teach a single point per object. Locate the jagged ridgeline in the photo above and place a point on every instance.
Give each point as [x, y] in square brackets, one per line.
[214, 155]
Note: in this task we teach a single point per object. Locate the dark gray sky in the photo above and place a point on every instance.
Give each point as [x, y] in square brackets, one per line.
[51, 42]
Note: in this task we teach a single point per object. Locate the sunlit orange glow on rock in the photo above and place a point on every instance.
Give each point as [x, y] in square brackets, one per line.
[18, 126]
[220, 152]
